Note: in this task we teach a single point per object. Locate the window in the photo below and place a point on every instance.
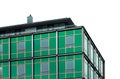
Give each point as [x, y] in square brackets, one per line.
[85, 44]
[21, 47]
[69, 66]
[50, 27]
[91, 73]
[69, 41]
[44, 69]
[95, 75]
[1, 49]
[99, 65]
[21, 71]
[0, 72]
[92, 53]
[44, 44]
[97, 60]
[89, 49]
[85, 69]
[102, 67]
[29, 30]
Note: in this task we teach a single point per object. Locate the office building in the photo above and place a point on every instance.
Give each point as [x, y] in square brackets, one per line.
[52, 49]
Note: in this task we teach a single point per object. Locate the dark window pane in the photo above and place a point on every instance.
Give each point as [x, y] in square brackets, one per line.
[29, 30]
[1, 49]
[21, 70]
[44, 44]
[69, 41]
[69, 66]
[0, 72]
[20, 47]
[44, 68]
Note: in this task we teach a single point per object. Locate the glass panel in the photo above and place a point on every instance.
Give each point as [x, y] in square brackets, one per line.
[91, 73]
[89, 50]
[85, 44]
[21, 47]
[59, 26]
[1, 49]
[29, 30]
[102, 67]
[97, 60]
[69, 66]
[44, 44]
[50, 27]
[21, 71]
[94, 75]
[44, 69]
[69, 41]
[85, 69]
[92, 53]
[0, 72]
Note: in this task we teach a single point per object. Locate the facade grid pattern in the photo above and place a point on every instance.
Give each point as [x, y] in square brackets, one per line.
[68, 53]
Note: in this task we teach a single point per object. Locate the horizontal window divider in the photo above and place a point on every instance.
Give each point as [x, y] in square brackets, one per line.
[39, 57]
[74, 78]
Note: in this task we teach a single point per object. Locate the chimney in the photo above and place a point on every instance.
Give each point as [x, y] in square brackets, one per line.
[30, 19]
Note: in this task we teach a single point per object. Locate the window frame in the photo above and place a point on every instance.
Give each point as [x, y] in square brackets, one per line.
[92, 53]
[69, 44]
[92, 73]
[21, 50]
[89, 49]
[45, 72]
[69, 70]
[44, 48]
[20, 75]
[1, 49]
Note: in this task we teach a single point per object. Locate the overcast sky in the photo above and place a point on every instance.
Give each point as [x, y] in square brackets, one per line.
[101, 19]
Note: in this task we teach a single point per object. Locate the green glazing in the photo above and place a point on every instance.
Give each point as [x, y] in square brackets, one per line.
[5, 70]
[27, 46]
[51, 44]
[63, 49]
[27, 69]
[4, 54]
[51, 68]
[77, 38]
[77, 70]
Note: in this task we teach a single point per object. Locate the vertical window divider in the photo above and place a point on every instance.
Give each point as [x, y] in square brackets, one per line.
[82, 53]
[32, 59]
[57, 71]
[82, 39]
[9, 51]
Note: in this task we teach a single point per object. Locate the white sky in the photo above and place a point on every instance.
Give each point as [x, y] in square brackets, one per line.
[101, 18]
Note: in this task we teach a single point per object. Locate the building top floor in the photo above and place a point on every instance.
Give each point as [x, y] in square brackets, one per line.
[63, 26]
[31, 27]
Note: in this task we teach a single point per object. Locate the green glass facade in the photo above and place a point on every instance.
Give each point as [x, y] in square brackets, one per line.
[68, 53]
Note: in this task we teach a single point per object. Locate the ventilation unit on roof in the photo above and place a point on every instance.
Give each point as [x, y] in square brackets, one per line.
[29, 19]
